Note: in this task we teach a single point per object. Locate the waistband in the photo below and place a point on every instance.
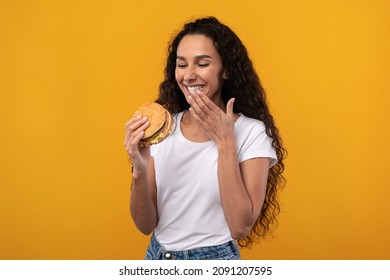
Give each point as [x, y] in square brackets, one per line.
[228, 250]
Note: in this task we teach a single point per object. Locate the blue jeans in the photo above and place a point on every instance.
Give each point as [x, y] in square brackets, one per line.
[226, 251]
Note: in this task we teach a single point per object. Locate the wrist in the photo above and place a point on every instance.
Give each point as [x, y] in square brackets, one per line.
[138, 174]
[227, 145]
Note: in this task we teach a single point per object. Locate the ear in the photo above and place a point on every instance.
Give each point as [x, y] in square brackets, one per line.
[224, 75]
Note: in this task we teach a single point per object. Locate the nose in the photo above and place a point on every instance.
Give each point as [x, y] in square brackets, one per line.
[190, 74]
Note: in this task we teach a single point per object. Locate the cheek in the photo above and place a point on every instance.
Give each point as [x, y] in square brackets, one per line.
[216, 79]
[178, 75]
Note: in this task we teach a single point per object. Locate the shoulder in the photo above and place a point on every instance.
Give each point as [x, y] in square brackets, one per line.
[245, 123]
[252, 140]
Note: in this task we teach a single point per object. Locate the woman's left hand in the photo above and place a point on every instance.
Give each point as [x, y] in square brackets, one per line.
[218, 125]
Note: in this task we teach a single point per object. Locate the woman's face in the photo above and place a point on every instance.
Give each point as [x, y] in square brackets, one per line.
[199, 67]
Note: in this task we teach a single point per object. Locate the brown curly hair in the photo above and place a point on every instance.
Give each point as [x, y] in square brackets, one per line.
[244, 85]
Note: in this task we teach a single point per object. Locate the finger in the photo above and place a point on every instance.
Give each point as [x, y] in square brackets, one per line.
[132, 120]
[203, 119]
[136, 122]
[134, 141]
[205, 103]
[132, 124]
[199, 105]
[134, 132]
[195, 108]
[198, 118]
[229, 107]
[135, 129]
[132, 145]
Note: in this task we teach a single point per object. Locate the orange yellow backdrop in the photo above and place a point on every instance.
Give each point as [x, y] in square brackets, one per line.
[72, 73]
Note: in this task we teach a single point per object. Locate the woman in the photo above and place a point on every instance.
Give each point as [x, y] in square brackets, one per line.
[216, 178]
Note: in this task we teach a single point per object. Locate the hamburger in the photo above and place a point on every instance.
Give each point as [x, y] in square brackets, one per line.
[160, 123]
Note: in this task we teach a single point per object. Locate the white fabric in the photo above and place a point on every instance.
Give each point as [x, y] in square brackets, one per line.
[188, 199]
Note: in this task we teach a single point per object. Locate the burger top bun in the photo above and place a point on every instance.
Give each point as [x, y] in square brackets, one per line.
[156, 116]
[160, 135]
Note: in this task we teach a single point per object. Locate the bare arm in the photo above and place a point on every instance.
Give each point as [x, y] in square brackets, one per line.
[143, 195]
[242, 188]
[143, 201]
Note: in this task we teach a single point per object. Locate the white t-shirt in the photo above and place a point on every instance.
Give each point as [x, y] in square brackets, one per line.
[190, 213]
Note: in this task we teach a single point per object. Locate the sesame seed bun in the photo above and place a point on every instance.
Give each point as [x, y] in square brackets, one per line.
[161, 123]
[156, 117]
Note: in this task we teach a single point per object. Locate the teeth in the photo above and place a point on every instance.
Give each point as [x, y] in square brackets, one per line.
[195, 88]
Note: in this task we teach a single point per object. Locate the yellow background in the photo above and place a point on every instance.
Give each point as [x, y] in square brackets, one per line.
[73, 72]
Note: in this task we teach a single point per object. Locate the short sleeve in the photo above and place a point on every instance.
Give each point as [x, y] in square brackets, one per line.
[253, 141]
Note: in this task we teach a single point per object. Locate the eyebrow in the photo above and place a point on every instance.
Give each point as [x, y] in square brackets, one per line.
[198, 57]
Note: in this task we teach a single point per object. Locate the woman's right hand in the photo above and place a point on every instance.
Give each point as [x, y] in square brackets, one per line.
[139, 157]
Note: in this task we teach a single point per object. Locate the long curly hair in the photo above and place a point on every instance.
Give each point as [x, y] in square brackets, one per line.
[244, 85]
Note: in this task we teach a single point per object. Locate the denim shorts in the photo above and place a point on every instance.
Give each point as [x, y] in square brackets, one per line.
[226, 251]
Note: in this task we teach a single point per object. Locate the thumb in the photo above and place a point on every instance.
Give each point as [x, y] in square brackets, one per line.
[229, 107]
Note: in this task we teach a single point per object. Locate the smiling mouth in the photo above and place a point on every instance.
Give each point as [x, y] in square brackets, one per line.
[192, 89]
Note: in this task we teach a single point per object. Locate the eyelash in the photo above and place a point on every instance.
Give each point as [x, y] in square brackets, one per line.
[200, 65]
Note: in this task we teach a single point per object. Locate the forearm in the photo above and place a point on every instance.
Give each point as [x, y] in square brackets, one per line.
[142, 207]
[236, 202]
